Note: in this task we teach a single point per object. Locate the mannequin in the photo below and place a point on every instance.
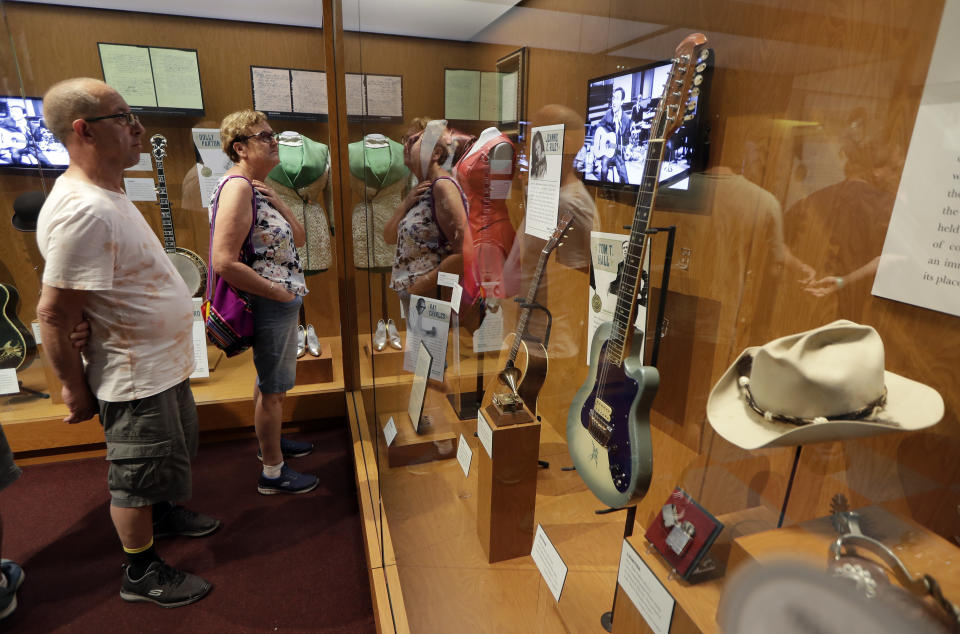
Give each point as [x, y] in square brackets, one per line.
[300, 180]
[379, 179]
[485, 173]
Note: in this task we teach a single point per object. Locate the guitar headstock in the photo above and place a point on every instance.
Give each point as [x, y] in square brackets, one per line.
[563, 227]
[683, 87]
[159, 145]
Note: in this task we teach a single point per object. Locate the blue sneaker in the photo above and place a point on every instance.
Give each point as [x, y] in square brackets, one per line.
[291, 449]
[289, 482]
[8, 595]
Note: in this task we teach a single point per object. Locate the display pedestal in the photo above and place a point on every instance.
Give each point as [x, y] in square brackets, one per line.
[507, 485]
[387, 362]
[311, 369]
[437, 439]
[920, 550]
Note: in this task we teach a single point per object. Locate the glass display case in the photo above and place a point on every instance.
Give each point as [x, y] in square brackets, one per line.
[578, 274]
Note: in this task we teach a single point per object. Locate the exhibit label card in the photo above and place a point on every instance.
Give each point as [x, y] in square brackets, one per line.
[549, 562]
[455, 296]
[484, 433]
[543, 191]
[920, 264]
[390, 431]
[418, 389]
[647, 594]
[447, 279]
[201, 368]
[8, 381]
[35, 326]
[428, 320]
[606, 256]
[489, 336]
[464, 455]
[140, 189]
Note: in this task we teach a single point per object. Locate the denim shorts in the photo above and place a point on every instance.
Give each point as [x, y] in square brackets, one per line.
[275, 343]
[150, 442]
[9, 471]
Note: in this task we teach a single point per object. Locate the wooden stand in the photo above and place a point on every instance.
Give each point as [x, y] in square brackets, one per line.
[507, 486]
[387, 362]
[437, 439]
[311, 369]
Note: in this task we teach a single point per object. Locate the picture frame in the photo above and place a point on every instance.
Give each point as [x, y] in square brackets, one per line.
[513, 93]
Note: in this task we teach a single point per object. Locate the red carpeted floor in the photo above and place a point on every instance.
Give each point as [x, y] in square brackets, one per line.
[278, 563]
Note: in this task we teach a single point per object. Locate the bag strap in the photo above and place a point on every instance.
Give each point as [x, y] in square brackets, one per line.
[211, 274]
[433, 205]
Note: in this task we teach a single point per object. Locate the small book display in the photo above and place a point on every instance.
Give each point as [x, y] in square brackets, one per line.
[682, 532]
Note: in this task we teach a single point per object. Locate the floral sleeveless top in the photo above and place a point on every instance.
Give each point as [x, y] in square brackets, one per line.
[274, 254]
[421, 245]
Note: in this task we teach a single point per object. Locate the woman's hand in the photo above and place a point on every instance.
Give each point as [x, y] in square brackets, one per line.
[414, 195]
[269, 194]
[279, 293]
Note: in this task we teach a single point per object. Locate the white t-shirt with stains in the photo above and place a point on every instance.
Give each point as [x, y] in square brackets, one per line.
[139, 308]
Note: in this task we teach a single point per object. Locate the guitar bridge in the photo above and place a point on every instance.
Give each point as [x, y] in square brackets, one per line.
[599, 429]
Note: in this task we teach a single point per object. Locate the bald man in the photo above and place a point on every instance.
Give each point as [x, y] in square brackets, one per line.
[104, 263]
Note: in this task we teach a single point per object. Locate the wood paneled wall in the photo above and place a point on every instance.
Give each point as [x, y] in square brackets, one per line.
[806, 102]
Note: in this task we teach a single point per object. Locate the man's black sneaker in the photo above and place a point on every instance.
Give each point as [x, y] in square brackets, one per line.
[164, 585]
[181, 521]
[289, 481]
[291, 449]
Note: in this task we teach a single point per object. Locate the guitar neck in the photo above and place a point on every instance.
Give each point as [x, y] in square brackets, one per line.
[166, 215]
[623, 316]
[524, 320]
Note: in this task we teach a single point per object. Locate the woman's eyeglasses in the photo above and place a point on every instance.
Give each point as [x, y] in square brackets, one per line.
[264, 136]
[129, 118]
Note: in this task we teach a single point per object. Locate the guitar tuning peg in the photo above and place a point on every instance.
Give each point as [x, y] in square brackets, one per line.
[689, 117]
[694, 92]
[698, 80]
[704, 55]
[701, 67]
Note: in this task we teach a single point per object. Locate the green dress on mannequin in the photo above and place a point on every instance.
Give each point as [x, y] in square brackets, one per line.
[300, 180]
[379, 180]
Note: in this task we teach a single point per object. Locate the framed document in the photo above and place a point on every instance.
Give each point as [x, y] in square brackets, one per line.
[418, 390]
[682, 532]
[513, 90]
[153, 79]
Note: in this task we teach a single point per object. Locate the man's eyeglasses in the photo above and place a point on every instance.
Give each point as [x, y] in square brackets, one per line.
[129, 118]
[264, 136]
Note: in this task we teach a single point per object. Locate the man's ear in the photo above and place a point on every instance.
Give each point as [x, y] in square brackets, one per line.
[82, 129]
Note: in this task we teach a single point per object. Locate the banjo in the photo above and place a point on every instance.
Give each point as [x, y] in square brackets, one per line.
[188, 264]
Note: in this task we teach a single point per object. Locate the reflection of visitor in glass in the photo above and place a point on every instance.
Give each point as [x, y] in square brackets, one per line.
[429, 225]
[615, 284]
[538, 161]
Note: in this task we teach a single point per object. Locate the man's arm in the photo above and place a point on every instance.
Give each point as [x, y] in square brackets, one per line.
[59, 312]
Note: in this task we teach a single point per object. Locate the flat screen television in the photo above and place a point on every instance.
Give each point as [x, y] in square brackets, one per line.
[25, 141]
[638, 92]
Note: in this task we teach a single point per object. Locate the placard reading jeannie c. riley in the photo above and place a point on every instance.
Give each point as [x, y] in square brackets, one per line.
[543, 190]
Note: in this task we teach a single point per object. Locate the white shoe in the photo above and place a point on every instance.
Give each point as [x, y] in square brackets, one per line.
[301, 341]
[393, 336]
[313, 344]
[380, 336]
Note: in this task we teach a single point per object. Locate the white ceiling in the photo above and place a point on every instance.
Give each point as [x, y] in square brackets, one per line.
[489, 21]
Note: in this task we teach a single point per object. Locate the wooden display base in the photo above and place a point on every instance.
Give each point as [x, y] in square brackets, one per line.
[311, 369]
[387, 362]
[507, 486]
[437, 439]
[54, 387]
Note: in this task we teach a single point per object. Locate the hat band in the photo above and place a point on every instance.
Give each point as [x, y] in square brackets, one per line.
[743, 382]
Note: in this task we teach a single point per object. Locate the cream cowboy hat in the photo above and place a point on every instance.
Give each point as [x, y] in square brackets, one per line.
[821, 385]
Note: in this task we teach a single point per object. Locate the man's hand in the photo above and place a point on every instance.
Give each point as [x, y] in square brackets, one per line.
[81, 403]
[80, 334]
[824, 287]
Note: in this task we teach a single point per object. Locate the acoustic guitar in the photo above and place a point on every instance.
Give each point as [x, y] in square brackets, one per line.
[189, 265]
[608, 426]
[524, 362]
[604, 142]
[17, 346]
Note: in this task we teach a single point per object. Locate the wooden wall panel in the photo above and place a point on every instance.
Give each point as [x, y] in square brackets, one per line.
[225, 52]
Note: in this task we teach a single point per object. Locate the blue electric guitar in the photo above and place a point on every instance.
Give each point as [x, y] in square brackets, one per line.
[608, 426]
